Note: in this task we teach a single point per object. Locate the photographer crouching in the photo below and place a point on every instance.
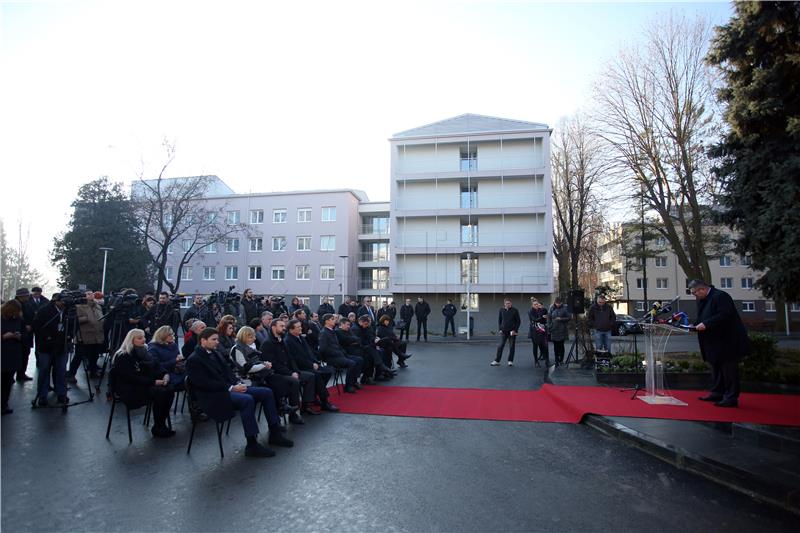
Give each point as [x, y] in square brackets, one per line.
[90, 342]
[50, 331]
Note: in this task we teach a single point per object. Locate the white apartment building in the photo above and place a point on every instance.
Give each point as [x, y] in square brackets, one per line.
[471, 215]
[373, 258]
[666, 280]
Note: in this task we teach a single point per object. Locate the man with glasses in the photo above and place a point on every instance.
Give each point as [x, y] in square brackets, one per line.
[367, 309]
[723, 341]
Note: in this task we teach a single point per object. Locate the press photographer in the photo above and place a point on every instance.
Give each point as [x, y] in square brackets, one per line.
[51, 330]
[90, 340]
[166, 312]
[200, 310]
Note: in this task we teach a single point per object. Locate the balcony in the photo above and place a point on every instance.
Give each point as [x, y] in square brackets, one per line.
[374, 285]
[427, 242]
[373, 231]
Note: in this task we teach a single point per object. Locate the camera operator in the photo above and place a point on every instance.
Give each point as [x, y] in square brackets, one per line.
[49, 329]
[199, 311]
[250, 306]
[277, 306]
[90, 341]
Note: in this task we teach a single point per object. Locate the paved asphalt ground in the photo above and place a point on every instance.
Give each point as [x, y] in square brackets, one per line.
[356, 472]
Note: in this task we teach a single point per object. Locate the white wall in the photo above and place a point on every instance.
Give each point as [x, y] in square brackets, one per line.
[513, 154]
[516, 154]
[428, 158]
[522, 192]
[517, 230]
[428, 195]
[427, 231]
[428, 269]
[526, 268]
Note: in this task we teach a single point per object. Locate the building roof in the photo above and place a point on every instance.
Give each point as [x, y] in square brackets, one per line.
[360, 195]
[470, 123]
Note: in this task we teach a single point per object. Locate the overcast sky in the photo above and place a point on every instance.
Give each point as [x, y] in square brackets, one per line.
[279, 95]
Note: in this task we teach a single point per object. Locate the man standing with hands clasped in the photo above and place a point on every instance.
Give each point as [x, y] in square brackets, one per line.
[723, 341]
[508, 323]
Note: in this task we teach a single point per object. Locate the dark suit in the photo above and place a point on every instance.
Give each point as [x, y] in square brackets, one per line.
[49, 326]
[422, 310]
[449, 311]
[508, 322]
[723, 343]
[210, 378]
[369, 311]
[281, 380]
[406, 314]
[331, 352]
[304, 358]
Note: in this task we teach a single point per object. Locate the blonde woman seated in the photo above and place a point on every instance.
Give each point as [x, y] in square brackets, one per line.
[164, 349]
[138, 378]
[248, 359]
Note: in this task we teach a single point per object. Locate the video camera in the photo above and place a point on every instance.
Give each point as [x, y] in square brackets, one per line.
[72, 298]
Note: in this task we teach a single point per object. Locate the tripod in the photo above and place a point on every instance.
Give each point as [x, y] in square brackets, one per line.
[578, 346]
[115, 338]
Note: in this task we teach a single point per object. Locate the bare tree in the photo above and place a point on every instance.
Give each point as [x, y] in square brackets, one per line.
[578, 167]
[14, 263]
[175, 214]
[656, 113]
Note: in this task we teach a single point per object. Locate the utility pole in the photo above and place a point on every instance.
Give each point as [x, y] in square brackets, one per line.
[105, 260]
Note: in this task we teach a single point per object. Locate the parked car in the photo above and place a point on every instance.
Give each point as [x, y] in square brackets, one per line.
[626, 324]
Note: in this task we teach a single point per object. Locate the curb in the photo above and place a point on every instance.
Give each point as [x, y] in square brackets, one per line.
[760, 488]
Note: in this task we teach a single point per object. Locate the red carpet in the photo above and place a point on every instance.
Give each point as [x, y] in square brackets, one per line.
[560, 404]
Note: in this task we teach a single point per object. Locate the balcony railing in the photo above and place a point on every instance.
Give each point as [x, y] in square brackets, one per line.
[371, 229]
[376, 285]
[370, 257]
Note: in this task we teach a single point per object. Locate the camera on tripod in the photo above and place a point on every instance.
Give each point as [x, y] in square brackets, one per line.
[124, 300]
[72, 298]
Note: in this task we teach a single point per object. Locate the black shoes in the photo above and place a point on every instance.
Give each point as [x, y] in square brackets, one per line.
[727, 403]
[307, 410]
[402, 364]
[710, 398]
[295, 419]
[42, 402]
[356, 385]
[63, 399]
[350, 389]
[257, 450]
[23, 378]
[162, 432]
[276, 438]
[330, 407]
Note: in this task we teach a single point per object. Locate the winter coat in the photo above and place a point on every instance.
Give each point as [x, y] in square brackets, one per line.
[133, 375]
[601, 318]
[166, 355]
[11, 348]
[725, 337]
[89, 324]
[537, 329]
[508, 320]
[422, 310]
[559, 318]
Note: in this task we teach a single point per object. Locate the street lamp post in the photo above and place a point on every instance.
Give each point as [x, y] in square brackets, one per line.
[105, 260]
[344, 275]
[469, 300]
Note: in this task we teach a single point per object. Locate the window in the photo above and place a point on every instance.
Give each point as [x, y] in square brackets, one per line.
[231, 273]
[374, 279]
[257, 216]
[748, 307]
[725, 261]
[304, 214]
[747, 283]
[303, 272]
[232, 218]
[304, 300]
[327, 243]
[278, 273]
[661, 241]
[725, 283]
[186, 273]
[279, 244]
[662, 283]
[232, 245]
[795, 307]
[640, 283]
[473, 302]
[186, 302]
[304, 243]
[186, 244]
[327, 272]
[210, 248]
[468, 156]
[375, 251]
[256, 244]
[661, 261]
[375, 224]
[209, 273]
[640, 307]
[469, 234]
[211, 218]
[769, 306]
[168, 220]
[169, 272]
[745, 260]
[170, 248]
[329, 214]
[469, 196]
[254, 272]
[279, 216]
[469, 270]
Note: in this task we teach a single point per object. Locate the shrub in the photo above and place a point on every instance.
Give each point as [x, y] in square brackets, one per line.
[762, 358]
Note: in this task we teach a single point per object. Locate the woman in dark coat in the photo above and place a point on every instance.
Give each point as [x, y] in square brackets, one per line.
[391, 342]
[11, 328]
[227, 339]
[164, 349]
[558, 321]
[537, 332]
[138, 378]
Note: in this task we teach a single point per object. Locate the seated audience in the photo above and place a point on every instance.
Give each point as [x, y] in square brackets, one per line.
[306, 361]
[331, 352]
[286, 374]
[390, 342]
[164, 349]
[381, 361]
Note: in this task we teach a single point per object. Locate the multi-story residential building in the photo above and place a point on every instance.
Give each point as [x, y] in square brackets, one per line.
[373, 258]
[666, 280]
[302, 243]
[471, 216]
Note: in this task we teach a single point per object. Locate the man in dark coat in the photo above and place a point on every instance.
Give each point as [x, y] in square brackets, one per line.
[331, 351]
[508, 323]
[286, 376]
[324, 308]
[344, 308]
[366, 308]
[23, 296]
[723, 341]
[49, 327]
[449, 311]
[306, 361]
[422, 310]
[219, 392]
[406, 314]
[249, 305]
[198, 311]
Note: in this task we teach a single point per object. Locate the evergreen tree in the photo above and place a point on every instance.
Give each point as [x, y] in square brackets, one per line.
[758, 159]
[102, 217]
